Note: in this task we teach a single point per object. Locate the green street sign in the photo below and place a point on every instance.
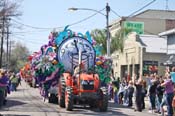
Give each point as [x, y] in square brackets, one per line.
[138, 27]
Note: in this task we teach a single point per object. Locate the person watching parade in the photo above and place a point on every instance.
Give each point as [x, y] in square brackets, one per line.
[4, 81]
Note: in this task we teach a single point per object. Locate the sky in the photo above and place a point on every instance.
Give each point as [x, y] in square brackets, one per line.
[49, 14]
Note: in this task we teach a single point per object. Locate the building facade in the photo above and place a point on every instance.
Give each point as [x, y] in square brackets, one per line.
[142, 55]
[170, 36]
[155, 21]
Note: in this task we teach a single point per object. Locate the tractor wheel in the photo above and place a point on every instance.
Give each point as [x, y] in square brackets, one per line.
[30, 84]
[52, 98]
[69, 98]
[92, 104]
[103, 99]
[61, 93]
[2, 98]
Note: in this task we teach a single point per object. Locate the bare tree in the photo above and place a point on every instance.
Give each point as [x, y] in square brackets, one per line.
[8, 9]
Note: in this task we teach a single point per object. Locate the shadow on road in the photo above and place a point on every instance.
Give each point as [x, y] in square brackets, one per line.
[95, 112]
[14, 115]
[11, 103]
[113, 110]
[114, 105]
[21, 89]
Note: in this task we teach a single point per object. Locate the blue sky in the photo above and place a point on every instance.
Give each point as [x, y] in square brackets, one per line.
[54, 13]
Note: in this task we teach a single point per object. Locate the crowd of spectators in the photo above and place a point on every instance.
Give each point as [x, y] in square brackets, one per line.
[9, 82]
[158, 90]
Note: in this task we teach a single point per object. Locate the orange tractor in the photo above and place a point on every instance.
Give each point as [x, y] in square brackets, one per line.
[84, 86]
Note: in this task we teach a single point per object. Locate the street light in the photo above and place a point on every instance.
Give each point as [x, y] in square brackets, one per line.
[107, 23]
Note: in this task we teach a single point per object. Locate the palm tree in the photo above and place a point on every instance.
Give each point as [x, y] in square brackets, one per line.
[117, 42]
[100, 37]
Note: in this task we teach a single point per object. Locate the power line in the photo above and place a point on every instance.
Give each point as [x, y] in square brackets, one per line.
[30, 31]
[39, 31]
[85, 18]
[80, 21]
[115, 13]
[141, 8]
[30, 26]
[24, 32]
[31, 42]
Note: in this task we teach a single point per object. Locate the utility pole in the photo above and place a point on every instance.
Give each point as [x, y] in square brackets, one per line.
[11, 42]
[7, 55]
[10, 47]
[2, 40]
[166, 7]
[107, 23]
[107, 28]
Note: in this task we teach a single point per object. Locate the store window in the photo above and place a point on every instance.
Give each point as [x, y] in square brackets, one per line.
[150, 67]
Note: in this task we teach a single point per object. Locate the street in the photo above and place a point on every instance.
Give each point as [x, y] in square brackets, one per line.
[27, 101]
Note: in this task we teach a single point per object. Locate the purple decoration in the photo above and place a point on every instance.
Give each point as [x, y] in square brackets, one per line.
[52, 75]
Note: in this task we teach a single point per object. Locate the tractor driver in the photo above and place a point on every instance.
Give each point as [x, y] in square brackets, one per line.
[79, 68]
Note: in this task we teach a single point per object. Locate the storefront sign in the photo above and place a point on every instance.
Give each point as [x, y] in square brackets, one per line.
[135, 26]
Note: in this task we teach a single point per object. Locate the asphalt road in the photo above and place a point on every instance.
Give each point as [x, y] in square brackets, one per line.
[27, 101]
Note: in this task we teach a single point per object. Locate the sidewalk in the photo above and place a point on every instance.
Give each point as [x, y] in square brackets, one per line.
[145, 111]
[127, 111]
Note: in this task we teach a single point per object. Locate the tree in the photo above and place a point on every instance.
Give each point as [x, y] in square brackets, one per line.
[117, 42]
[7, 9]
[18, 56]
[100, 37]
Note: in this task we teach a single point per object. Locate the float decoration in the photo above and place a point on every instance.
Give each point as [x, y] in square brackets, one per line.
[47, 64]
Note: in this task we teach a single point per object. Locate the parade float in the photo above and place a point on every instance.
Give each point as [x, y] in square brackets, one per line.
[80, 83]
[52, 67]
[25, 73]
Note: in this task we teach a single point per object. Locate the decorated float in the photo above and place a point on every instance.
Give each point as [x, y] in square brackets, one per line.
[25, 73]
[60, 55]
